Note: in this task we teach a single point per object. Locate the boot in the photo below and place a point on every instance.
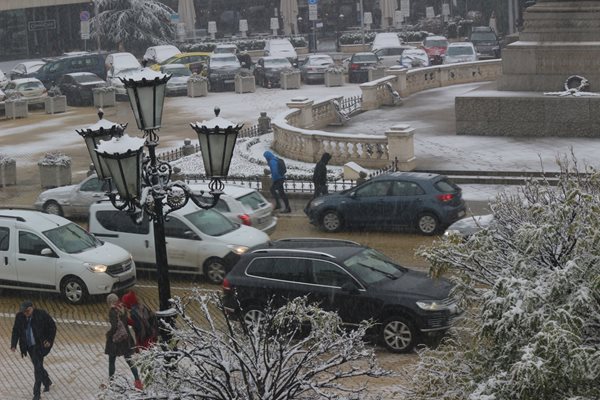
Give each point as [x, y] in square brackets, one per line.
[138, 384]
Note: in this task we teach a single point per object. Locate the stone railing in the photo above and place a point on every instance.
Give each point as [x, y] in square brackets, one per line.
[323, 112]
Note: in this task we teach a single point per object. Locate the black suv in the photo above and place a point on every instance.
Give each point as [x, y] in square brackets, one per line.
[485, 41]
[357, 282]
[80, 62]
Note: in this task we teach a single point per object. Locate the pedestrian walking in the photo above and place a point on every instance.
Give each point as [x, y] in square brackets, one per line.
[319, 178]
[142, 319]
[118, 339]
[278, 170]
[34, 330]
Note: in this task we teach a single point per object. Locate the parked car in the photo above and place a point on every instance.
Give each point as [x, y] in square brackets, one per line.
[359, 66]
[158, 54]
[385, 39]
[414, 58]
[3, 80]
[26, 69]
[435, 47]
[199, 242]
[195, 61]
[222, 69]
[27, 88]
[244, 205]
[458, 52]
[226, 49]
[470, 225]
[357, 282]
[267, 70]
[121, 61]
[389, 56]
[427, 202]
[77, 87]
[72, 201]
[485, 41]
[48, 253]
[281, 48]
[313, 67]
[177, 85]
[80, 62]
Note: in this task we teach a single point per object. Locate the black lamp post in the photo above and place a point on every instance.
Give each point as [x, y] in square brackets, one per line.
[142, 182]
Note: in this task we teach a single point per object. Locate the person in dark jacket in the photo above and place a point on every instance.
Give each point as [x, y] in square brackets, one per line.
[277, 180]
[34, 330]
[122, 348]
[319, 179]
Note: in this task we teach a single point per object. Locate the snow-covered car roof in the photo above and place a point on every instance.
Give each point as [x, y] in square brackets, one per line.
[25, 80]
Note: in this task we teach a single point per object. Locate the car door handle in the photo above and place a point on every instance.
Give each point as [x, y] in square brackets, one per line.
[22, 259]
[147, 243]
[5, 260]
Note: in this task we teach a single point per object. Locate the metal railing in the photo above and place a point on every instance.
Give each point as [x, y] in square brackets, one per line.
[351, 105]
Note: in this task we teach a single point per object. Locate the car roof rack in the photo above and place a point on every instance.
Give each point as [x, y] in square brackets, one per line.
[16, 217]
[320, 239]
[320, 253]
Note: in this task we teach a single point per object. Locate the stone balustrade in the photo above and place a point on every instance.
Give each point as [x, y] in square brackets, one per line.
[374, 92]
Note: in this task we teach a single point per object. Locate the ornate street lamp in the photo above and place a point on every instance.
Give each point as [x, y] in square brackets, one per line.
[143, 182]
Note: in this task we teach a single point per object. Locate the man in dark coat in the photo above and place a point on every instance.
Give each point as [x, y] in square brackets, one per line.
[320, 176]
[34, 330]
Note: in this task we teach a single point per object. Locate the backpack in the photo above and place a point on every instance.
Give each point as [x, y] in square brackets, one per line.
[281, 168]
[147, 322]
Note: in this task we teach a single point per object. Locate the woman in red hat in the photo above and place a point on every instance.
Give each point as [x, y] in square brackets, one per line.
[142, 319]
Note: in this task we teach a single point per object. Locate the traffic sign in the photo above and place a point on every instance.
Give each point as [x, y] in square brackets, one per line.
[310, 2]
[84, 16]
[312, 12]
[85, 30]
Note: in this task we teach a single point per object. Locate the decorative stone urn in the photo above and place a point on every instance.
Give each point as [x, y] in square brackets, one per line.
[104, 96]
[334, 77]
[290, 79]
[55, 105]
[8, 171]
[197, 86]
[16, 109]
[55, 170]
[245, 83]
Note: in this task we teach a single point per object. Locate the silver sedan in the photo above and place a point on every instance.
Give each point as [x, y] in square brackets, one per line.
[72, 200]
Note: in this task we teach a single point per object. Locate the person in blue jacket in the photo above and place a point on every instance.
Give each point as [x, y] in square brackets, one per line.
[277, 179]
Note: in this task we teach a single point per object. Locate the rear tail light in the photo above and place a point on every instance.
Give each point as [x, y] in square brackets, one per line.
[445, 197]
[226, 285]
[245, 219]
[354, 66]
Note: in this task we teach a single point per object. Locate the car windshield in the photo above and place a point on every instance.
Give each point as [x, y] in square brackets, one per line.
[86, 78]
[253, 200]
[183, 71]
[224, 61]
[72, 238]
[483, 37]
[320, 61]
[364, 58]
[277, 63]
[436, 43]
[211, 222]
[371, 266]
[460, 51]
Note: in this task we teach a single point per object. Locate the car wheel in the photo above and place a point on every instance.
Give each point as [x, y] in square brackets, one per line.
[331, 221]
[214, 270]
[253, 316]
[52, 207]
[398, 335]
[428, 224]
[73, 290]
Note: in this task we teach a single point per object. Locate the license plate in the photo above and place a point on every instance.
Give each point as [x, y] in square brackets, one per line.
[262, 220]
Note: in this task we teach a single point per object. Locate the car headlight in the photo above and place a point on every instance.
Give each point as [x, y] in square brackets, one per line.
[316, 202]
[433, 305]
[238, 249]
[96, 267]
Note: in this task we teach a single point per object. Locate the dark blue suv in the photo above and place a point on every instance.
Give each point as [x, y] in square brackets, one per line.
[427, 202]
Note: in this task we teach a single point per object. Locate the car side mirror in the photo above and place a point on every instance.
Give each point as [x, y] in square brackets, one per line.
[350, 287]
[352, 195]
[191, 235]
[47, 252]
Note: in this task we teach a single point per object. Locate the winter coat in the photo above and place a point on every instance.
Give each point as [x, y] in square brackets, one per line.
[320, 173]
[272, 162]
[43, 327]
[142, 319]
[124, 348]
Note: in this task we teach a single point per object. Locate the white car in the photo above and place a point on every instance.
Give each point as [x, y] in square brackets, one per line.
[72, 200]
[26, 69]
[414, 58]
[281, 48]
[48, 253]
[243, 205]
[389, 56]
[199, 242]
[180, 74]
[158, 54]
[3, 80]
[27, 88]
[459, 52]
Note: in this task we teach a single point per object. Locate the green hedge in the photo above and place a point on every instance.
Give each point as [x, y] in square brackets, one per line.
[241, 44]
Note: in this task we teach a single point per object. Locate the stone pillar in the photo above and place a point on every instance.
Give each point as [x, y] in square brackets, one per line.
[400, 83]
[264, 123]
[369, 97]
[305, 106]
[188, 148]
[56, 104]
[16, 109]
[401, 146]
[8, 171]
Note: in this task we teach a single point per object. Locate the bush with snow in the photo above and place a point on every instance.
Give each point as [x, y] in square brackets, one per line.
[531, 285]
[219, 359]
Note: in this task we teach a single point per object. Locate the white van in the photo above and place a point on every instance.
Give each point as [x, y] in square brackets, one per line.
[120, 65]
[199, 242]
[281, 48]
[49, 253]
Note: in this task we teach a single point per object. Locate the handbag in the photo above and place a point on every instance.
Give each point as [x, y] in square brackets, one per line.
[120, 334]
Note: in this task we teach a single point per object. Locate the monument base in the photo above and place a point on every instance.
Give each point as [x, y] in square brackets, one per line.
[489, 112]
